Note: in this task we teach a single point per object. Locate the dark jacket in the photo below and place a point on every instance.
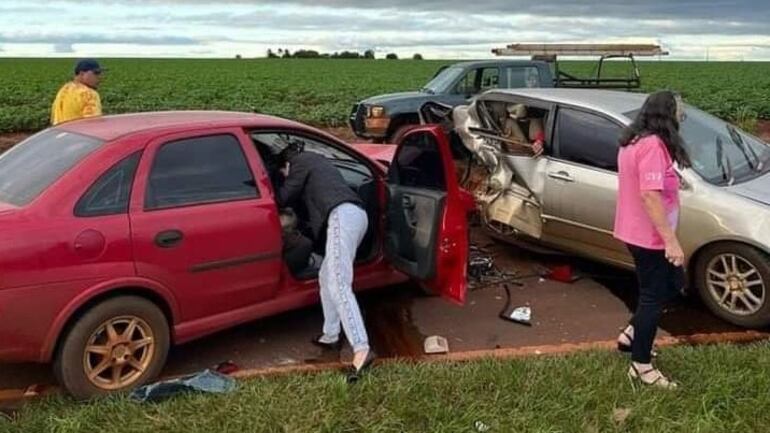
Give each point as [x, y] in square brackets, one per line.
[318, 184]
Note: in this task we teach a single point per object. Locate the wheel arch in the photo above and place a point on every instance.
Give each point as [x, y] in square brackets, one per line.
[75, 310]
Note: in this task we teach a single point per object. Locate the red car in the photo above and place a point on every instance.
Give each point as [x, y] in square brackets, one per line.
[125, 234]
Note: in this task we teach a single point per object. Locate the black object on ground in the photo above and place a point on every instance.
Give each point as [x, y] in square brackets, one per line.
[482, 271]
[521, 315]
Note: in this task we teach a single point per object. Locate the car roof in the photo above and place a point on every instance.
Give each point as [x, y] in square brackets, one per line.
[112, 127]
[613, 102]
[482, 63]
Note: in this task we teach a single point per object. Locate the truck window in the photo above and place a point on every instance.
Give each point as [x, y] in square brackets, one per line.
[477, 80]
[522, 76]
[490, 78]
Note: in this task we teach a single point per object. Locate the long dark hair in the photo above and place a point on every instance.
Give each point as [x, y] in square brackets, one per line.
[658, 116]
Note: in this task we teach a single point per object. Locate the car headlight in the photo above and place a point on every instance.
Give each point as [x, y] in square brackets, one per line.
[376, 111]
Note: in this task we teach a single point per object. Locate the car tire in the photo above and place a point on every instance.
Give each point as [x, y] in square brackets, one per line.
[717, 292]
[101, 340]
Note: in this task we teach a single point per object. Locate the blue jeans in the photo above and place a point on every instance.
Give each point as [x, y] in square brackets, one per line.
[347, 226]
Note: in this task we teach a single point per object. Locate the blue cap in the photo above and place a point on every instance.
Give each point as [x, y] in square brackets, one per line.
[86, 65]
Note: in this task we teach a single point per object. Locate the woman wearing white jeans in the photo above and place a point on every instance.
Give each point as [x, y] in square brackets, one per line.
[334, 209]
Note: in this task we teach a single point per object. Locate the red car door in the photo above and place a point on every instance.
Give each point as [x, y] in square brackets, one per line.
[201, 226]
[426, 221]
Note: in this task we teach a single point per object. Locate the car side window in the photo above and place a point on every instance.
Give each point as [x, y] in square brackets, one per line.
[418, 163]
[587, 138]
[199, 170]
[490, 78]
[110, 194]
[522, 76]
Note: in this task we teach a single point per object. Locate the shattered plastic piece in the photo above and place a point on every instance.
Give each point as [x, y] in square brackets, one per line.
[482, 271]
[206, 381]
[436, 344]
[521, 315]
[562, 274]
[481, 427]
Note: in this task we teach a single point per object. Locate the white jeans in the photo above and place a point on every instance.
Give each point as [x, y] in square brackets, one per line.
[346, 229]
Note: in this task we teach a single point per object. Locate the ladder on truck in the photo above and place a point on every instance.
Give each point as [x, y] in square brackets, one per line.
[551, 52]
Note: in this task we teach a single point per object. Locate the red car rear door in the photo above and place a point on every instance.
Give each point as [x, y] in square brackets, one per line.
[201, 226]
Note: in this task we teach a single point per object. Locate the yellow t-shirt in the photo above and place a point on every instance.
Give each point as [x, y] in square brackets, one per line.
[75, 101]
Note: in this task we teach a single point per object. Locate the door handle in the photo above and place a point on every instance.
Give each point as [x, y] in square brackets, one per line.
[561, 175]
[168, 238]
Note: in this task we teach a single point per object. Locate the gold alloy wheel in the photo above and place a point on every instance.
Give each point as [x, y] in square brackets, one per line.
[736, 284]
[119, 352]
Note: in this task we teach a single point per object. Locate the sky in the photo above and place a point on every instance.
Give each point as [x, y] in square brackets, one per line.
[456, 29]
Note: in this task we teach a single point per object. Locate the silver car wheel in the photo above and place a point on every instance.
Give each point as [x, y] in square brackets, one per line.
[735, 284]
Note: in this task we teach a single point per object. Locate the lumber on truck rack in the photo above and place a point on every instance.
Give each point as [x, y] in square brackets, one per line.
[551, 52]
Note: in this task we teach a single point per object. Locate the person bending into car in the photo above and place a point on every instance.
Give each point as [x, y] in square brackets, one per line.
[335, 211]
[647, 215]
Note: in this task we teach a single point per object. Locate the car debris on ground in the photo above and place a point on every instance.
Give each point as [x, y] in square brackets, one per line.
[206, 381]
[436, 344]
[482, 271]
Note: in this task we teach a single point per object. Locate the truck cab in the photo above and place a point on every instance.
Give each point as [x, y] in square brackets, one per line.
[381, 118]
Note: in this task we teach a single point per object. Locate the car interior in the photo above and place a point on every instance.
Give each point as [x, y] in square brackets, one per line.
[517, 122]
[356, 173]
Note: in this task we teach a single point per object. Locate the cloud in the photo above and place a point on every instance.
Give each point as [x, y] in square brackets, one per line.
[93, 38]
[63, 48]
[447, 28]
[731, 10]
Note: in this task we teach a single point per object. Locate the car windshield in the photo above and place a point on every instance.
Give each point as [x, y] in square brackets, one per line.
[721, 153]
[31, 166]
[443, 80]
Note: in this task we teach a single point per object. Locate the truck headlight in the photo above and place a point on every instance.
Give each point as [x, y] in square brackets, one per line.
[376, 111]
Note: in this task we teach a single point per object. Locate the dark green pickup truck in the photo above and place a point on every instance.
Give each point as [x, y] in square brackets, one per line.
[381, 117]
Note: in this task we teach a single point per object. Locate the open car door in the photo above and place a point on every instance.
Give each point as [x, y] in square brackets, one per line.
[426, 218]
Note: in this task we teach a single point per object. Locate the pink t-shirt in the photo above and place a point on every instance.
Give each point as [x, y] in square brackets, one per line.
[644, 166]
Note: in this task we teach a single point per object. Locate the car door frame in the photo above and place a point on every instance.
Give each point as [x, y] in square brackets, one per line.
[448, 276]
[138, 207]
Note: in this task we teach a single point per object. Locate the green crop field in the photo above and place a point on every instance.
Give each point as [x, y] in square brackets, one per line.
[321, 92]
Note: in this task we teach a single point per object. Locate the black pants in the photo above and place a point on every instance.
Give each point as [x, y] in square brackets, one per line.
[296, 251]
[659, 283]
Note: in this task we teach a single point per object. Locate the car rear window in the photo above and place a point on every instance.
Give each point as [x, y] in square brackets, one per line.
[31, 166]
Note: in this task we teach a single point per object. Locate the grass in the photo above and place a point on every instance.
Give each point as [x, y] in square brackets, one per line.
[724, 389]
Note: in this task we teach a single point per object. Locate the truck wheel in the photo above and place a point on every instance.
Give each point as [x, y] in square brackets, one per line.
[733, 280]
[115, 346]
[397, 133]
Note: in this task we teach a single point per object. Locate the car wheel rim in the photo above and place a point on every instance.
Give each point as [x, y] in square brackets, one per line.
[119, 352]
[735, 284]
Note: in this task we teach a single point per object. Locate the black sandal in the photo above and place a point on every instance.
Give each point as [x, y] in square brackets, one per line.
[355, 373]
[337, 345]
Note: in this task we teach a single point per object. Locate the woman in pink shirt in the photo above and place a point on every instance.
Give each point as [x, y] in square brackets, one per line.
[646, 220]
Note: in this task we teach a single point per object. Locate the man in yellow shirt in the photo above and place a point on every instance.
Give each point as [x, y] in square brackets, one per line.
[79, 98]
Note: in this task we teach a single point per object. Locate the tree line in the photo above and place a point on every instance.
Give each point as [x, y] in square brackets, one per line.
[313, 54]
